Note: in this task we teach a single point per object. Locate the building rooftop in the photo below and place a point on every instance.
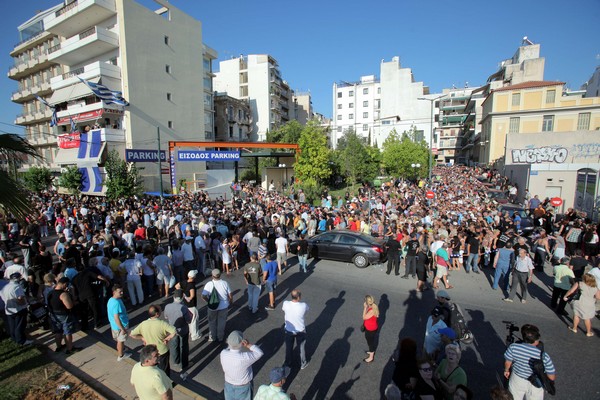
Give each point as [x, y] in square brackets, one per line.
[529, 85]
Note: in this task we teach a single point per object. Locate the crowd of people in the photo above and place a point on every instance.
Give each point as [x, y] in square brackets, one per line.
[108, 253]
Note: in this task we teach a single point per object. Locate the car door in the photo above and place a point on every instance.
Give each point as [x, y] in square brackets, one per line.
[344, 248]
[322, 245]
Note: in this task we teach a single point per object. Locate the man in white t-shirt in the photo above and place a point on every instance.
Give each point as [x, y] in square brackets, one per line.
[295, 328]
[282, 251]
[217, 317]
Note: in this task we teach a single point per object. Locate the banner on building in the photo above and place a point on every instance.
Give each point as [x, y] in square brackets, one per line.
[68, 141]
[144, 155]
[195, 155]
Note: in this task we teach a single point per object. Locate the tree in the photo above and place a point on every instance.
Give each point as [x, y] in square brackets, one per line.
[312, 165]
[71, 180]
[400, 152]
[13, 197]
[288, 133]
[358, 161]
[37, 178]
[122, 178]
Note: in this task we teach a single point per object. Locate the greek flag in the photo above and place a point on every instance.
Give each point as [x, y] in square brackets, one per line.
[73, 126]
[54, 119]
[104, 93]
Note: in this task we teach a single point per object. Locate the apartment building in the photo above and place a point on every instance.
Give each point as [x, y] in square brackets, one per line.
[592, 86]
[374, 107]
[302, 110]
[233, 119]
[532, 107]
[452, 123]
[33, 71]
[257, 79]
[148, 55]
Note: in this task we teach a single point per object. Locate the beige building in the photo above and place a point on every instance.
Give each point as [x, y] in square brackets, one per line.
[532, 107]
[557, 164]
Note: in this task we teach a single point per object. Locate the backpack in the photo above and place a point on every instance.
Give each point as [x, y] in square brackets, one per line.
[213, 299]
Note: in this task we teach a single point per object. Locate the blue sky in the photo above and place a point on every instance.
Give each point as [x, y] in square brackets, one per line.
[320, 42]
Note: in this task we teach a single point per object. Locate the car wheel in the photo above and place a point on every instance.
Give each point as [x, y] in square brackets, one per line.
[360, 260]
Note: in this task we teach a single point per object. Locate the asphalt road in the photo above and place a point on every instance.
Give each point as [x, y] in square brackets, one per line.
[335, 346]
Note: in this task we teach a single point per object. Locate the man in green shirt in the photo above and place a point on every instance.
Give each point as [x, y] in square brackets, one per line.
[274, 391]
[157, 332]
[150, 382]
[563, 276]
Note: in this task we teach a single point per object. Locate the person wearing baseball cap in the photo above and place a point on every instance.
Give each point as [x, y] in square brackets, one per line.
[277, 376]
[433, 339]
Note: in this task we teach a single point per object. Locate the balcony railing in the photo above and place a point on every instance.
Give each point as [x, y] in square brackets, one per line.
[66, 8]
[87, 32]
[72, 73]
[54, 48]
[37, 35]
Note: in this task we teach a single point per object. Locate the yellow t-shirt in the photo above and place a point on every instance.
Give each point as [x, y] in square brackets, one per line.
[150, 382]
[154, 332]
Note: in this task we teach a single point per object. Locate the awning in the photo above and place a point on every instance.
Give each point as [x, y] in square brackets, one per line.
[72, 92]
[66, 156]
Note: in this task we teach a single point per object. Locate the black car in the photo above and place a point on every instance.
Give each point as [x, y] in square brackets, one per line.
[345, 245]
[527, 225]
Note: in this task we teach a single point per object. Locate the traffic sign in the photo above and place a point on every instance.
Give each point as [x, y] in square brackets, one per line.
[556, 201]
[430, 194]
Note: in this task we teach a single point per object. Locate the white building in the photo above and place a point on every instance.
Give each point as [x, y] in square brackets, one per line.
[155, 57]
[373, 108]
[592, 86]
[257, 79]
[33, 70]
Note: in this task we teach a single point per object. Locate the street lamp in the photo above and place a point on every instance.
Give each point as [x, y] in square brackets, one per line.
[283, 185]
[431, 133]
[415, 167]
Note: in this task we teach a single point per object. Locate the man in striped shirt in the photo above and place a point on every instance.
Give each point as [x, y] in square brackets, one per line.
[517, 357]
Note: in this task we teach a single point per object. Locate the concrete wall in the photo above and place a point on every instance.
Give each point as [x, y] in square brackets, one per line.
[144, 57]
[554, 160]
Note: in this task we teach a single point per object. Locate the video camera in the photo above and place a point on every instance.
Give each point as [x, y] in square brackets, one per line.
[511, 327]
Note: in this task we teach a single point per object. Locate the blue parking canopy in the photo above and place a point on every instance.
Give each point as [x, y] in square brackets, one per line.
[157, 194]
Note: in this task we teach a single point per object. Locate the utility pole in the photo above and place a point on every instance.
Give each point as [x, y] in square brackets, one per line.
[162, 199]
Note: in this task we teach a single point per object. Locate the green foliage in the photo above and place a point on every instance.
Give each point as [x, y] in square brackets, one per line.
[13, 197]
[357, 160]
[312, 190]
[400, 152]
[123, 178]
[288, 133]
[312, 164]
[71, 180]
[37, 178]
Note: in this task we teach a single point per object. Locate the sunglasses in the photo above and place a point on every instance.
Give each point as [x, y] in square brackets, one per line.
[428, 369]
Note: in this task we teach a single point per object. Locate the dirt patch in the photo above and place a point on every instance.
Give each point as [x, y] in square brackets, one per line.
[55, 387]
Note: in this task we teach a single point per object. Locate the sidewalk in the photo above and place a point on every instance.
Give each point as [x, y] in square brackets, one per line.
[97, 366]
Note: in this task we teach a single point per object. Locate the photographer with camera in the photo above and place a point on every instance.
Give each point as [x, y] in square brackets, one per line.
[523, 383]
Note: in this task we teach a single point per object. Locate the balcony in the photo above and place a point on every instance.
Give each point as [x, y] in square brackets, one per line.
[93, 70]
[20, 120]
[86, 45]
[79, 15]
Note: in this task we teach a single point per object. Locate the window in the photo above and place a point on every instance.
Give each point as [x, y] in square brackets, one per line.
[379, 90]
[516, 99]
[240, 115]
[168, 69]
[166, 40]
[169, 98]
[366, 91]
[351, 93]
[240, 133]
[365, 104]
[339, 95]
[230, 131]
[583, 121]
[513, 126]
[386, 122]
[170, 124]
[351, 105]
[550, 96]
[365, 127]
[365, 115]
[339, 118]
[351, 116]
[548, 124]
[339, 106]
[339, 128]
